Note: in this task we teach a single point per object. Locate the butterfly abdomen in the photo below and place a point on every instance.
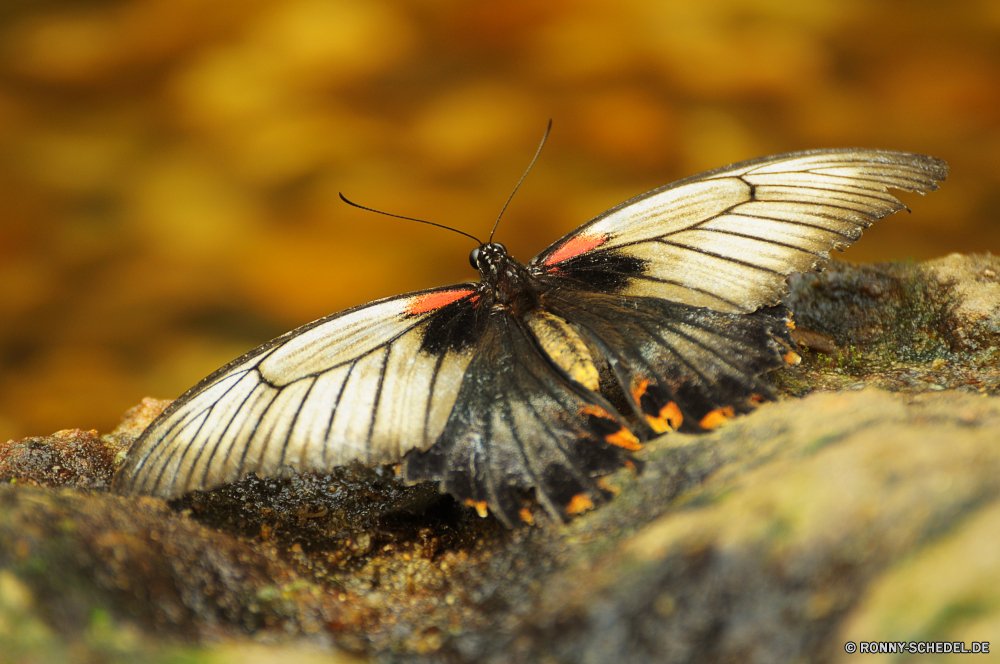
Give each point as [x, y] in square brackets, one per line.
[564, 347]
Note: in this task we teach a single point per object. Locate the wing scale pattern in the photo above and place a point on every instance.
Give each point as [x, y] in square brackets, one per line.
[519, 423]
[727, 239]
[355, 386]
[700, 360]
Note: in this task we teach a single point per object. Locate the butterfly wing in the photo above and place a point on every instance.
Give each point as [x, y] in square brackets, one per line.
[519, 423]
[678, 366]
[655, 315]
[367, 384]
[726, 239]
[679, 288]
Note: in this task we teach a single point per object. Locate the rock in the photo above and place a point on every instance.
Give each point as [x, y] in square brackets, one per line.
[862, 506]
[773, 556]
[73, 457]
[898, 326]
[69, 457]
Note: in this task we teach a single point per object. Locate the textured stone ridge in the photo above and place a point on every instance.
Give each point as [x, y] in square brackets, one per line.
[975, 285]
[899, 326]
[783, 551]
[867, 509]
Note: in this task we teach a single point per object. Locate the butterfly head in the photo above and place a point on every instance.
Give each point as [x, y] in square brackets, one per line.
[499, 272]
[489, 259]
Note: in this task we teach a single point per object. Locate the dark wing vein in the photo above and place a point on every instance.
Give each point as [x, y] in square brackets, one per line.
[824, 203]
[253, 434]
[794, 222]
[430, 399]
[295, 419]
[375, 403]
[886, 197]
[170, 457]
[225, 430]
[184, 421]
[152, 459]
[693, 340]
[762, 239]
[719, 256]
[373, 349]
[336, 404]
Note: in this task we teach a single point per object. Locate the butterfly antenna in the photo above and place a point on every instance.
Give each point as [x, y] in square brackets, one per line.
[399, 216]
[533, 159]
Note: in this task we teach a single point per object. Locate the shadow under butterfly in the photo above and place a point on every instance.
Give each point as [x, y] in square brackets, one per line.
[661, 314]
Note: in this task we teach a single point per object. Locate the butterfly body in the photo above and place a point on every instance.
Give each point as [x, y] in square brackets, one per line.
[661, 314]
[503, 281]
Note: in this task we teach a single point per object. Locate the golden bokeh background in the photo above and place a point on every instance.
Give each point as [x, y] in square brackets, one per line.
[169, 169]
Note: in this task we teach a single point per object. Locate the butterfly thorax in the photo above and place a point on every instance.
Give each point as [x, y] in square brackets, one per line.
[503, 278]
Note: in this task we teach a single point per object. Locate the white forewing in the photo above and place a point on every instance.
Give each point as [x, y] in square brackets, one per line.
[355, 386]
[727, 239]
[670, 211]
[355, 334]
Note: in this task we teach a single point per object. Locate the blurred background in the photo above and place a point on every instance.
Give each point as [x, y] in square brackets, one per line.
[169, 169]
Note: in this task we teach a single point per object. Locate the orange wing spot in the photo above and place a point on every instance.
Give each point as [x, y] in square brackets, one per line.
[628, 464]
[431, 301]
[479, 505]
[575, 247]
[579, 504]
[624, 438]
[716, 418]
[596, 411]
[790, 324]
[608, 486]
[756, 399]
[527, 516]
[639, 390]
[791, 357]
[669, 418]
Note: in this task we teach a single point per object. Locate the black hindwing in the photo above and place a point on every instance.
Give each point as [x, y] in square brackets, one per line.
[519, 423]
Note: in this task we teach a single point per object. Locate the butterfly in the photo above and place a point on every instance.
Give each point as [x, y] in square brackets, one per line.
[662, 314]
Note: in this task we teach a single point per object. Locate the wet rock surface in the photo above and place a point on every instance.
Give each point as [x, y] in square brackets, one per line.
[861, 506]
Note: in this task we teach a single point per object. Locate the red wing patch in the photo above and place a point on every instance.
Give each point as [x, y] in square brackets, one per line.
[431, 301]
[576, 246]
